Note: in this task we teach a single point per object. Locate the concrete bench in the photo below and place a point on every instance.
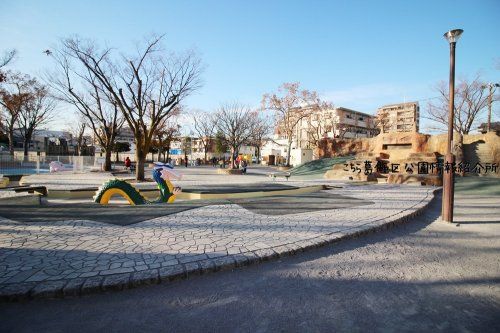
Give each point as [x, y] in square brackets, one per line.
[273, 175]
[29, 189]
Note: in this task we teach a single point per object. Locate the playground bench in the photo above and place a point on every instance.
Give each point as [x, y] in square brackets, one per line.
[30, 189]
[273, 175]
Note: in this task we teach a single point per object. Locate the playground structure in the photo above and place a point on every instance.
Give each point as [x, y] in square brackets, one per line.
[56, 166]
[162, 173]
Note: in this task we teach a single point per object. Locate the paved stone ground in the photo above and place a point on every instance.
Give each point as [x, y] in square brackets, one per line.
[78, 256]
[125, 214]
[192, 176]
[421, 276]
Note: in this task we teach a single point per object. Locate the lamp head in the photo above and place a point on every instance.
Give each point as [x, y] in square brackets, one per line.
[453, 35]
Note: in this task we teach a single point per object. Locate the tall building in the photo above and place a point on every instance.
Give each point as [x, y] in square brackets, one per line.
[351, 124]
[336, 122]
[317, 124]
[402, 117]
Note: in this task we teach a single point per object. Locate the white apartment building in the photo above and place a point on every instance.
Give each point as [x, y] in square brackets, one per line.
[337, 122]
[402, 117]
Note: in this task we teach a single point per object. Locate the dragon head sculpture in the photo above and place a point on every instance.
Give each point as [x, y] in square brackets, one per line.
[166, 172]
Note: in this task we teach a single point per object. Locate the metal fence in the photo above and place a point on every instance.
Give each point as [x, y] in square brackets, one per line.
[33, 164]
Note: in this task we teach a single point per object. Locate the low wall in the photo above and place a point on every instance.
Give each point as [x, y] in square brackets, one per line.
[477, 148]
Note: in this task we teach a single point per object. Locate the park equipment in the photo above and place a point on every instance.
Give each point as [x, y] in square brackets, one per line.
[162, 173]
[56, 166]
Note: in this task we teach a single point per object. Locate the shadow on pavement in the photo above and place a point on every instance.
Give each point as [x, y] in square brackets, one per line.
[127, 215]
[384, 282]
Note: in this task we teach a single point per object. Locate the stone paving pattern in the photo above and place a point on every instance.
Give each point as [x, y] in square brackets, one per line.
[47, 259]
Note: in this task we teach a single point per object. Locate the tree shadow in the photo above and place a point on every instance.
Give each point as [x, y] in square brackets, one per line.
[296, 294]
[127, 215]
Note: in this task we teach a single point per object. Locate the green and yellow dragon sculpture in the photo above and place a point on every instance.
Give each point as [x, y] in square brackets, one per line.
[162, 173]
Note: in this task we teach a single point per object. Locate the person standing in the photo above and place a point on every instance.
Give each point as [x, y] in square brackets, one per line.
[243, 164]
[128, 163]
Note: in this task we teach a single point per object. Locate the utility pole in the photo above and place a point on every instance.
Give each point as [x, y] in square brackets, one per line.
[492, 87]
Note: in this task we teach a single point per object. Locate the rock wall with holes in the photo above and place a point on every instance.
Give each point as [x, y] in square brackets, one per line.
[406, 147]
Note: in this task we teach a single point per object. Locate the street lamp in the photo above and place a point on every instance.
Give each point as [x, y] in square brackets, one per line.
[448, 187]
[492, 87]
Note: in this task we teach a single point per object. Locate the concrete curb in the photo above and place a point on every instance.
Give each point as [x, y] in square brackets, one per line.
[20, 199]
[84, 286]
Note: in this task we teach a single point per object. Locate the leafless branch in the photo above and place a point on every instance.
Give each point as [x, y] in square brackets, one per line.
[236, 123]
[471, 100]
[7, 57]
[145, 88]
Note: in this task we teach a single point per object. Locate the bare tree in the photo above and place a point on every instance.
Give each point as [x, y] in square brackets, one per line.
[383, 122]
[204, 126]
[289, 107]
[235, 124]
[145, 88]
[470, 100]
[78, 86]
[317, 129]
[263, 129]
[78, 130]
[220, 144]
[167, 133]
[6, 58]
[120, 147]
[35, 113]
[14, 95]
[319, 121]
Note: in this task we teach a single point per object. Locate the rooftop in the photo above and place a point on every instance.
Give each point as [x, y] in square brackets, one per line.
[398, 104]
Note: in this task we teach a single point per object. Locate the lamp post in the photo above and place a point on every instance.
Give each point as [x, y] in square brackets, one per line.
[448, 186]
[492, 87]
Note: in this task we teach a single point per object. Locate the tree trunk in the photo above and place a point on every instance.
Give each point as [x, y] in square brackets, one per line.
[459, 152]
[205, 159]
[28, 134]
[288, 153]
[140, 158]
[107, 161]
[27, 138]
[26, 145]
[11, 141]
[233, 150]
[159, 154]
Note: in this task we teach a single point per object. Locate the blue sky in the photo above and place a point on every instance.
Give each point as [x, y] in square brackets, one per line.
[357, 54]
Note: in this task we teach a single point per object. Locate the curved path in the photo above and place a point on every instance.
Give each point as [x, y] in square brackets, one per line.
[75, 256]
